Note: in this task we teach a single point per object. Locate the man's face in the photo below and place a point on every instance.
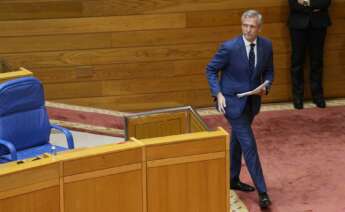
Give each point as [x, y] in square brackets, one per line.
[250, 28]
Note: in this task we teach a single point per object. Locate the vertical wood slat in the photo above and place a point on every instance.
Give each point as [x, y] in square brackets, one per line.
[30, 189]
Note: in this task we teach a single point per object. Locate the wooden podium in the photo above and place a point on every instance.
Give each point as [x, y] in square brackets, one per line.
[164, 122]
[187, 166]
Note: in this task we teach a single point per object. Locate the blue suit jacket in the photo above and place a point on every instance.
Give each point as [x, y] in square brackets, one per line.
[232, 61]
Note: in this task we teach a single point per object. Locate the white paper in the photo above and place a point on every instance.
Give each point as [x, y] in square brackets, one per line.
[255, 91]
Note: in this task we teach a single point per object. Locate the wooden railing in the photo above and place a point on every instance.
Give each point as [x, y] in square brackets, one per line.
[185, 172]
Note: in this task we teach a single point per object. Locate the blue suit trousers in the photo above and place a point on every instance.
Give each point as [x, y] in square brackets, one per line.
[243, 141]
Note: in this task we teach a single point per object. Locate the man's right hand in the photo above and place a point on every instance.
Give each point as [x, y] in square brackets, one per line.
[221, 102]
[305, 3]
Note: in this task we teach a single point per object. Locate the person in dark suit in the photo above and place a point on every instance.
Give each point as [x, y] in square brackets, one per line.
[244, 62]
[308, 22]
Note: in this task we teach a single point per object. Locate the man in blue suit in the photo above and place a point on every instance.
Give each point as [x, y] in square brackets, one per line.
[244, 63]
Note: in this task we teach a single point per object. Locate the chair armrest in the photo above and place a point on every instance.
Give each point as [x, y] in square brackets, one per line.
[67, 133]
[10, 147]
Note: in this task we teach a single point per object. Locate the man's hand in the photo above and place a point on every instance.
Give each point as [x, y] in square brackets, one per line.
[263, 91]
[300, 2]
[221, 102]
[260, 91]
[305, 3]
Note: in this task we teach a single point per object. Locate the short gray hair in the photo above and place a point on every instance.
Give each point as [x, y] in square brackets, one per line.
[252, 14]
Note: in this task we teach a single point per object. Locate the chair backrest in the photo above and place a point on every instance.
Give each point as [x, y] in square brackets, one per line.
[23, 117]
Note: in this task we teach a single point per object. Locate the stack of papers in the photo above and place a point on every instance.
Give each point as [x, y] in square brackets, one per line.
[257, 90]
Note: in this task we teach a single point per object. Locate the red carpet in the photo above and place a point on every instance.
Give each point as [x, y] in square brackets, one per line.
[303, 158]
[302, 153]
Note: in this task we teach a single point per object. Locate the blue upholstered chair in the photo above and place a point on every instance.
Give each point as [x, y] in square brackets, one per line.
[24, 123]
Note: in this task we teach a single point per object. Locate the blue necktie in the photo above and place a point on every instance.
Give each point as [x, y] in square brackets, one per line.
[252, 58]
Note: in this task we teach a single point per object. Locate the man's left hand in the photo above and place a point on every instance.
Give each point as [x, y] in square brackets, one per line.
[263, 91]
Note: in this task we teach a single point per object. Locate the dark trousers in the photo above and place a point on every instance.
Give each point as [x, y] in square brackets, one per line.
[303, 40]
[243, 141]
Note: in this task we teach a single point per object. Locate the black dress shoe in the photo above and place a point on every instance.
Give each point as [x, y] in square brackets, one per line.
[238, 185]
[264, 200]
[320, 103]
[298, 104]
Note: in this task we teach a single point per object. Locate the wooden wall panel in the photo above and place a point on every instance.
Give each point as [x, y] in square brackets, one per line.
[55, 42]
[106, 178]
[109, 56]
[122, 71]
[41, 200]
[91, 25]
[232, 17]
[99, 194]
[175, 187]
[30, 188]
[194, 147]
[27, 178]
[173, 165]
[107, 161]
[172, 36]
[282, 92]
[196, 98]
[39, 10]
[124, 87]
[117, 7]
[136, 55]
